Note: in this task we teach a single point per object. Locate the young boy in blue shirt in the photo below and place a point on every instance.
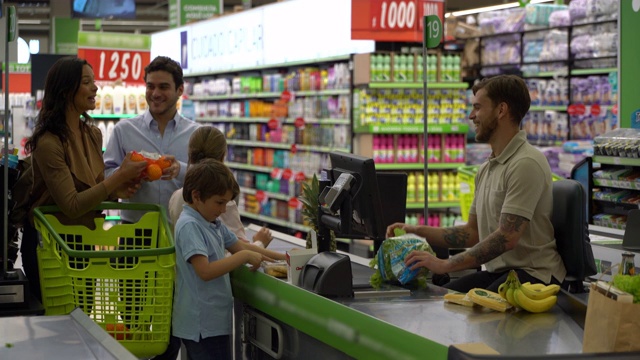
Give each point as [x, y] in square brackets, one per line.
[203, 302]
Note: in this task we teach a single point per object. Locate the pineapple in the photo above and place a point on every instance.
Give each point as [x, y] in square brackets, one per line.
[309, 199]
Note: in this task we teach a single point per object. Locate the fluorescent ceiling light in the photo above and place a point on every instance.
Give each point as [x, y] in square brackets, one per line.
[490, 8]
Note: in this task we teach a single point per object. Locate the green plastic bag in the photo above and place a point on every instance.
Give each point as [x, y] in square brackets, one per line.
[389, 262]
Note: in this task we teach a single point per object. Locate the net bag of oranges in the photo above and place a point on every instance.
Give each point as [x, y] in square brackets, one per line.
[156, 163]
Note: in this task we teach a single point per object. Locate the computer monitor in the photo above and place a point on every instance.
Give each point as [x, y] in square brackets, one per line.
[581, 172]
[103, 9]
[363, 201]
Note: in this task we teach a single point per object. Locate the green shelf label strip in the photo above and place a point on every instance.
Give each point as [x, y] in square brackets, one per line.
[419, 166]
[412, 128]
[613, 160]
[418, 85]
[272, 195]
[240, 166]
[275, 221]
[264, 144]
[434, 205]
[262, 67]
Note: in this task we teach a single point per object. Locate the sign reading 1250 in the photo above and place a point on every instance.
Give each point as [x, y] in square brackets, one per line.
[111, 65]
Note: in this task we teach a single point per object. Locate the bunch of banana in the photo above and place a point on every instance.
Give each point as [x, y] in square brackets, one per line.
[533, 298]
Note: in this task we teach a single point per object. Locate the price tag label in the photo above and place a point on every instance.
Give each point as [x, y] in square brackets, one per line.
[114, 56]
[595, 110]
[276, 174]
[299, 123]
[294, 203]
[273, 124]
[285, 96]
[111, 65]
[287, 174]
[294, 148]
[261, 196]
[614, 109]
[300, 177]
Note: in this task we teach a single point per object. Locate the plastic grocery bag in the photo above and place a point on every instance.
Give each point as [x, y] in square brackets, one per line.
[389, 262]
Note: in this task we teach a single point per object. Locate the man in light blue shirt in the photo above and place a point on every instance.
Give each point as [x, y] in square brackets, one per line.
[161, 129]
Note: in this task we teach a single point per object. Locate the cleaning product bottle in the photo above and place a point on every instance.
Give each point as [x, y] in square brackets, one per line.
[420, 187]
[411, 187]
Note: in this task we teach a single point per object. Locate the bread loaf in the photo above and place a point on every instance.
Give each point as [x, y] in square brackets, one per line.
[279, 271]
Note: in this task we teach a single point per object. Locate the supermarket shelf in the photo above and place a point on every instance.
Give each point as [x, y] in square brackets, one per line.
[237, 96]
[271, 94]
[234, 119]
[281, 65]
[418, 166]
[112, 116]
[271, 145]
[412, 129]
[326, 121]
[613, 160]
[618, 184]
[433, 205]
[321, 92]
[272, 195]
[593, 71]
[240, 166]
[275, 221]
[574, 72]
[548, 107]
[418, 85]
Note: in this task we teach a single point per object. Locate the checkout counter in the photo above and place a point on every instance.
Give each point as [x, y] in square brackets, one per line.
[275, 319]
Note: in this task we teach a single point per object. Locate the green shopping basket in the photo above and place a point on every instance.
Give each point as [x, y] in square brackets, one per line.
[467, 184]
[121, 276]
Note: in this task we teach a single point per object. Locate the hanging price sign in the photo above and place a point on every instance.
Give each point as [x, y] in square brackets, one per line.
[392, 20]
[595, 110]
[114, 56]
[294, 148]
[614, 109]
[287, 174]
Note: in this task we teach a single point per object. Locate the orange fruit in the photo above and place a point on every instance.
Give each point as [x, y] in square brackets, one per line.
[136, 156]
[118, 331]
[163, 162]
[154, 172]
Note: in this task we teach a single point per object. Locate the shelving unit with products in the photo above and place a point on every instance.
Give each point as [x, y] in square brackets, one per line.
[281, 122]
[568, 59]
[389, 127]
[616, 184]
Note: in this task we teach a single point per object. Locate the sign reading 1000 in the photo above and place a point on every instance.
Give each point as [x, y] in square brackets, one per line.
[111, 65]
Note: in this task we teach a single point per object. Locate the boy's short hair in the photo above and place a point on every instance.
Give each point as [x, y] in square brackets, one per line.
[209, 177]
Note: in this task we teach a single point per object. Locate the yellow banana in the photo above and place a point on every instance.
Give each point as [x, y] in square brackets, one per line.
[531, 305]
[502, 290]
[544, 292]
[510, 298]
[536, 286]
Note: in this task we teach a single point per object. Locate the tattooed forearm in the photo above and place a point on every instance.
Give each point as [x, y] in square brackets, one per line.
[489, 249]
[455, 237]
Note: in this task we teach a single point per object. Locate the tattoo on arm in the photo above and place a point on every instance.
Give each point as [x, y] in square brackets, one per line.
[455, 237]
[510, 223]
[496, 244]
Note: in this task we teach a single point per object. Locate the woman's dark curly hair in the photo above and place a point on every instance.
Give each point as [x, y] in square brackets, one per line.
[60, 87]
